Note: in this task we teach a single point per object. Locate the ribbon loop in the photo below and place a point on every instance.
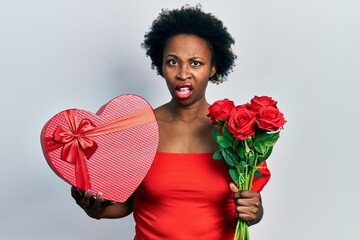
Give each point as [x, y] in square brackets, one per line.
[75, 138]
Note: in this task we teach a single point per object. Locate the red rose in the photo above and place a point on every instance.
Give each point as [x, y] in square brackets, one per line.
[246, 105]
[220, 110]
[241, 123]
[270, 118]
[263, 101]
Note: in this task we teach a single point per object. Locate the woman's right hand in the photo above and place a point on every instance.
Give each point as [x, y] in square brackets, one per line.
[93, 206]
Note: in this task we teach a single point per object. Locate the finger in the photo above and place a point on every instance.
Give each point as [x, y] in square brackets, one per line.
[85, 202]
[249, 194]
[250, 198]
[76, 194]
[98, 201]
[233, 188]
[247, 212]
[247, 217]
[248, 202]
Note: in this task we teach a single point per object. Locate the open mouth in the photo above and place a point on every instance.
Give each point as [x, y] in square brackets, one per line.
[183, 91]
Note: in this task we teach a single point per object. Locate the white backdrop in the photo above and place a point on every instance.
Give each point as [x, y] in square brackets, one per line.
[56, 55]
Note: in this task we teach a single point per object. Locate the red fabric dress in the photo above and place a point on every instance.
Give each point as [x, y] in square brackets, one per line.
[186, 196]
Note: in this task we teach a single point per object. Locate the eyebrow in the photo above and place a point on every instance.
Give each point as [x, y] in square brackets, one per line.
[192, 58]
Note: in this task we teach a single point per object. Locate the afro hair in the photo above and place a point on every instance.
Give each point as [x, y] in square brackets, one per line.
[191, 20]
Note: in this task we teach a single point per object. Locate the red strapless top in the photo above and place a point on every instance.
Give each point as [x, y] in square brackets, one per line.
[186, 196]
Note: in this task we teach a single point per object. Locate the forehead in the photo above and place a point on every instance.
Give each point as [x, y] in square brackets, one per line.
[186, 45]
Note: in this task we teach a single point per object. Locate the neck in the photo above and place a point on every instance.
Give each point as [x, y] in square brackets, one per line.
[189, 112]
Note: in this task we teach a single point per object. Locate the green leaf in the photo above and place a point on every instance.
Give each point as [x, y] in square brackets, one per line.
[242, 165]
[266, 156]
[272, 139]
[217, 155]
[226, 132]
[241, 153]
[264, 140]
[251, 159]
[215, 132]
[223, 141]
[257, 174]
[234, 175]
[230, 157]
[236, 142]
[260, 138]
[260, 146]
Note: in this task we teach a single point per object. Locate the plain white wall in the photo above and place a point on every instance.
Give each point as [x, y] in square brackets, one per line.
[56, 55]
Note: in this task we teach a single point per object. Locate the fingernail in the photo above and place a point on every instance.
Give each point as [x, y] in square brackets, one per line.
[88, 193]
[99, 195]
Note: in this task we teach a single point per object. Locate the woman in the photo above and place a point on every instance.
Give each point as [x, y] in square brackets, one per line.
[186, 194]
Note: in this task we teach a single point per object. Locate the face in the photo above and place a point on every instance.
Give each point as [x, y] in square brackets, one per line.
[187, 68]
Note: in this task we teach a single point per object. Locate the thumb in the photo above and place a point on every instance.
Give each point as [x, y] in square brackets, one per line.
[233, 188]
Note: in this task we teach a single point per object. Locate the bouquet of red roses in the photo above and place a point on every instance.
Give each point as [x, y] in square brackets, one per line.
[246, 135]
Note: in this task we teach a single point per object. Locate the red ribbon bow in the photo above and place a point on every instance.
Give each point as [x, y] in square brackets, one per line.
[74, 139]
[76, 144]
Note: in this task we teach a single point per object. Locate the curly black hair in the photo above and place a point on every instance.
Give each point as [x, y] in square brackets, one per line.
[191, 20]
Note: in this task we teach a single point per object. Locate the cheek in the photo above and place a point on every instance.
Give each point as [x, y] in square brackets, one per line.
[204, 74]
[205, 81]
[169, 72]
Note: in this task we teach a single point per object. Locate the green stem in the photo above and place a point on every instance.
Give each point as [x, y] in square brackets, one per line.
[237, 230]
[241, 231]
[247, 164]
[244, 231]
[253, 171]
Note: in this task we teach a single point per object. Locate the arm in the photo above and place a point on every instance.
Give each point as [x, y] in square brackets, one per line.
[248, 205]
[97, 207]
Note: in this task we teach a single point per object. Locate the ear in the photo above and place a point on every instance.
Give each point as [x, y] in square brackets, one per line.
[212, 70]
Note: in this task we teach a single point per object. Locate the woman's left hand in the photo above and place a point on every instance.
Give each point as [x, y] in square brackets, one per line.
[248, 206]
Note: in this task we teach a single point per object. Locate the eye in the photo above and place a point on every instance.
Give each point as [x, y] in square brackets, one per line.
[172, 62]
[195, 63]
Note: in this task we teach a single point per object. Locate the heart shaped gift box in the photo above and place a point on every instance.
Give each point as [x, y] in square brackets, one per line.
[108, 152]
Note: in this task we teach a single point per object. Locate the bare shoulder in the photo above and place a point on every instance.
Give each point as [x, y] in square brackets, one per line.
[162, 113]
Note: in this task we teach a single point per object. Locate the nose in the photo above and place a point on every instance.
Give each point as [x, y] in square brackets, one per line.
[184, 72]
